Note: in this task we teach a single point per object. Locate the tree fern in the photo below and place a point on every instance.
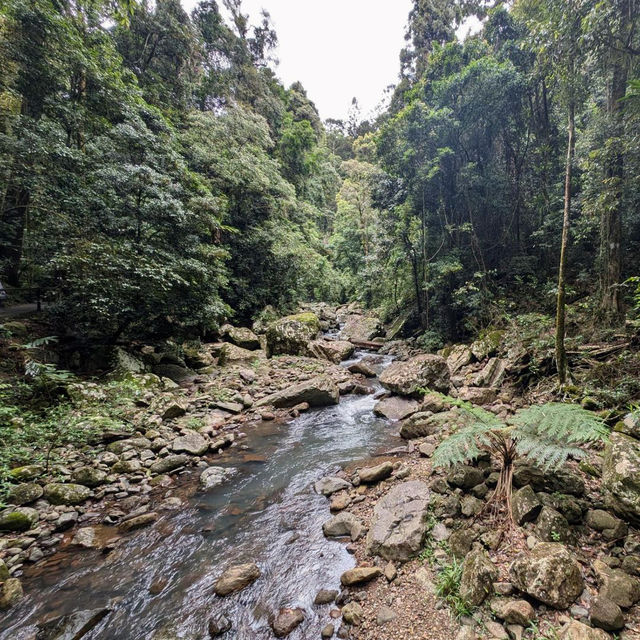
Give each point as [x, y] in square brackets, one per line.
[546, 435]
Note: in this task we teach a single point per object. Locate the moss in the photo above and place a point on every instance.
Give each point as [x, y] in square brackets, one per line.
[307, 318]
[15, 521]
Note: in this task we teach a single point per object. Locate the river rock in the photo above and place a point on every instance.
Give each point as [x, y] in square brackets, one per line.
[138, 522]
[513, 611]
[458, 356]
[396, 407]
[286, 621]
[241, 337]
[371, 475]
[612, 528]
[352, 614]
[230, 354]
[317, 392]
[10, 593]
[426, 371]
[343, 524]
[213, 477]
[325, 596]
[478, 395]
[361, 328]
[399, 518]
[236, 578]
[26, 472]
[73, 626]
[169, 463]
[423, 424]
[560, 481]
[478, 576]
[18, 518]
[492, 374]
[577, 631]
[525, 505]
[616, 585]
[90, 476]
[552, 526]
[359, 575]
[192, 443]
[464, 476]
[363, 369]
[66, 494]
[85, 537]
[327, 631]
[549, 573]
[606, 614]
[24, 493]
[173, 410]
[331, 484]
[621, 476]
[218, 625]
[291, 335]
[332, 350]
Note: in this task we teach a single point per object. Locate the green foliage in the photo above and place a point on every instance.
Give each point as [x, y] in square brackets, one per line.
[545, 434]
[448, 588]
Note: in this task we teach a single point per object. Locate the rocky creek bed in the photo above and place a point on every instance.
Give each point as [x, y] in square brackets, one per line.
[234, 508]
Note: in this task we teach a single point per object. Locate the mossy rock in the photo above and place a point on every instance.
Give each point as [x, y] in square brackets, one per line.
[26, 472]
[10, 593]
[90, 476]
[488, 345]
[18, 519]
[24, 493]
[291, 335]
[66, 494]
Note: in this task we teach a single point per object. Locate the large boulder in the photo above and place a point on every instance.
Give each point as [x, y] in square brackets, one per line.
[525, 506]
[67, 494]
[360, 328]
[396, 407]
[549, 573]
[411, 377]
[291, 335]
[231, 354]
[24, 493]
[621, 476]
[241, 337]
[236, 578]
[399, 522]
[332, 350]
[424, 423]
[478, 576]
[317, 392]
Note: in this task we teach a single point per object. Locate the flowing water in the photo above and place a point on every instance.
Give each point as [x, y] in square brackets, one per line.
[267, 513]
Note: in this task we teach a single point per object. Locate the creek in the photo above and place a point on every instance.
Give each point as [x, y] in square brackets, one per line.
[267, 513]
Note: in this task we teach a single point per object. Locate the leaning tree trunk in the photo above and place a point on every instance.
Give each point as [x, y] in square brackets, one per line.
[611, 303]
[561, 354]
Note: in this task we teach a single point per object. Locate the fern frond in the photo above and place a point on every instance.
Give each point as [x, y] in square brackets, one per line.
[477, 413]
[548, 434]
[463, 445]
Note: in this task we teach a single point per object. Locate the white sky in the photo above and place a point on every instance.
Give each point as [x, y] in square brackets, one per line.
[337, 49]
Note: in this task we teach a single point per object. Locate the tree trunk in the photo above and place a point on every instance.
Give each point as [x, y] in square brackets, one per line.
[561, 354]
[611, 303]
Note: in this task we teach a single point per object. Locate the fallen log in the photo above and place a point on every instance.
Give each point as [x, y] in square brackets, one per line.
[367, 344]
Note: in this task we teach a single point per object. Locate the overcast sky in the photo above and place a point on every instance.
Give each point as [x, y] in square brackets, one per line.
[338, 49]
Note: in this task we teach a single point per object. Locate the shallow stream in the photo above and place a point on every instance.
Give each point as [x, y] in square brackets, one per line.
[268, 513]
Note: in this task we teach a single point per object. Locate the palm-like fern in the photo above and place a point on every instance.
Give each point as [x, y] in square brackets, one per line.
[546, 434]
